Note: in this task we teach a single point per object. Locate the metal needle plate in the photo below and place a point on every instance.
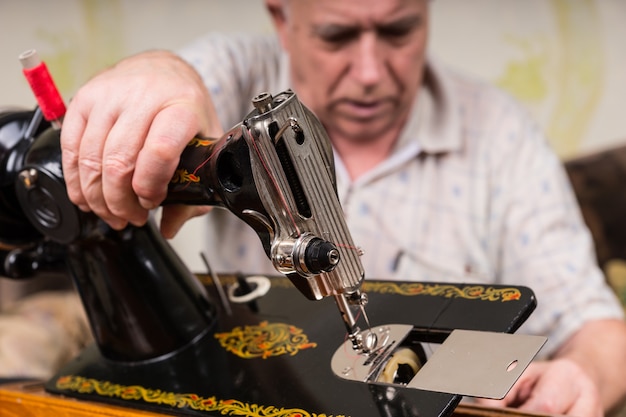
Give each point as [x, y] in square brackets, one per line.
[477, 364]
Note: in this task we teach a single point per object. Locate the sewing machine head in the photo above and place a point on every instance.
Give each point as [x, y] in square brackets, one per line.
[275, 171]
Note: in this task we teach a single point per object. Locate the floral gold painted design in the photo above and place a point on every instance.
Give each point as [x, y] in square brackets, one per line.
[195, 402]
[182, 176]
[472, 292]
[264, 340]
[198, 142]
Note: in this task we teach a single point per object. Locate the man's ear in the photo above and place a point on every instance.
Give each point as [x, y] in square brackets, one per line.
[276, 9]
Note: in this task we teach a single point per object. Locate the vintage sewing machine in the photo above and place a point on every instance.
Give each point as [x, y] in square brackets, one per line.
[168, 342]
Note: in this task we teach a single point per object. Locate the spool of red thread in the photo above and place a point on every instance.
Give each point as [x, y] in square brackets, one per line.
[43, 86]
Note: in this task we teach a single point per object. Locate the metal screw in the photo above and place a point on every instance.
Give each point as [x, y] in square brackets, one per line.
[263, 102]
[28, 177]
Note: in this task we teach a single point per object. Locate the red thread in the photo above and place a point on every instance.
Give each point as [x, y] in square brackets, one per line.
[214, 152]
[347, 246]
[46, 93]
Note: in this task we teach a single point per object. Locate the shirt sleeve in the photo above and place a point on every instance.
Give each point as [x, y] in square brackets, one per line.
[545, 243]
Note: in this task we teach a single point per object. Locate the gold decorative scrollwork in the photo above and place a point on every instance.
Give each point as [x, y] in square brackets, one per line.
[198, 142]
[182, 176]
[472, 292]
[82, 385]
[264, 340]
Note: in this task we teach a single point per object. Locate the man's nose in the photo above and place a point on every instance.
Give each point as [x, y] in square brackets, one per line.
[368, 64]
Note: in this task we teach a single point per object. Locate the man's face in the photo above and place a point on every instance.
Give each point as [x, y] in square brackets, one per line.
[356, 63]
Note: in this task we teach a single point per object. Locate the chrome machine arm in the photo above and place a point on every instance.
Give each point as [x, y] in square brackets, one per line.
[275, 171]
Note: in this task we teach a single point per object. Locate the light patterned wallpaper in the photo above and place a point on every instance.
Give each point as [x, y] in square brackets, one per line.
[564, 59]
[79, 37]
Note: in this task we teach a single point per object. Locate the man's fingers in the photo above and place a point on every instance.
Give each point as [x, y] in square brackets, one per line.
[123, 144]
[586, 405]
[124, 133]
[170, 132]
[558, 387]
[90, 164]
[71, 134]
[575, 398]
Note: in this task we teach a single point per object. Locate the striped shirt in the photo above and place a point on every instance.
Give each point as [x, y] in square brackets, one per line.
[471, 193]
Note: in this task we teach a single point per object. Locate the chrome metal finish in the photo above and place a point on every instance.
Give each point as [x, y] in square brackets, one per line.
[262, 102]
[293, 170]
[472, 363]
[309, 151]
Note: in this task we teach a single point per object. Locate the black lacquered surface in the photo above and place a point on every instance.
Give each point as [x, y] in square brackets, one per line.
[205, 379]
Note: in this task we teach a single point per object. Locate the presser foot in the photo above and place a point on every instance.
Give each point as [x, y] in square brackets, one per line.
[363, 342]
[472, 363]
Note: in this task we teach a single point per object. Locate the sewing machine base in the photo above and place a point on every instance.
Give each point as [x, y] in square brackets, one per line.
[274, 353]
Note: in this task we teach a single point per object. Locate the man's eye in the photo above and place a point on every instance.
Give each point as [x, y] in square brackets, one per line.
[394, 32]
[339, 37]
[402, 29]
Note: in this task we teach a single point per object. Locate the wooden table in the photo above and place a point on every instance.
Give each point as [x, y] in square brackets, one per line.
[28, 399]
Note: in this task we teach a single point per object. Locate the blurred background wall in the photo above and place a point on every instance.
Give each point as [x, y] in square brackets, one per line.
[564, 59]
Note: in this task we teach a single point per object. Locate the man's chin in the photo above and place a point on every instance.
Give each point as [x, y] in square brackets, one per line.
[359, 131]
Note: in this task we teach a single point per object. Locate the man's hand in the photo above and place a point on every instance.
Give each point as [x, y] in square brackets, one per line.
[585, 378]
[557, 387]
[124, 132]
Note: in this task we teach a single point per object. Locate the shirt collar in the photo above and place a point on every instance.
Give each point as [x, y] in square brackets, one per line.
[434, 124]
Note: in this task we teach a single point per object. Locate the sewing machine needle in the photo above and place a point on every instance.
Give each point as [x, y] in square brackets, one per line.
[372, 340]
